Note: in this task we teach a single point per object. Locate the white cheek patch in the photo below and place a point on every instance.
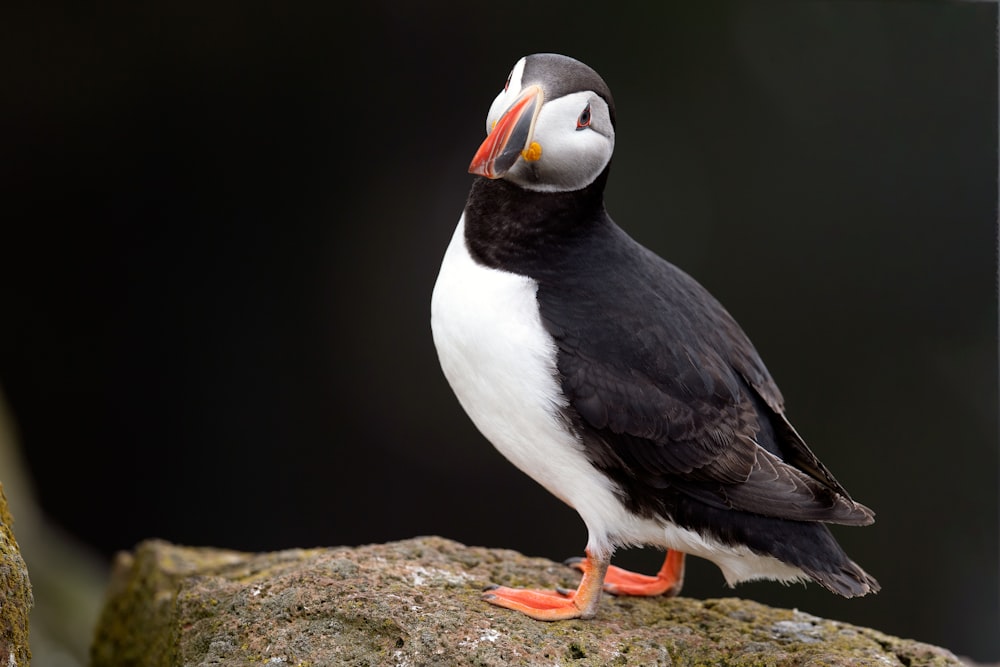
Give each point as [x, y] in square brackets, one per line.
[514, 87]
[506, 97]
[571, 158]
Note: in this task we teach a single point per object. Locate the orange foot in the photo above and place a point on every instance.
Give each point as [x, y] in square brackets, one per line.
[555, 605]
[668, 581]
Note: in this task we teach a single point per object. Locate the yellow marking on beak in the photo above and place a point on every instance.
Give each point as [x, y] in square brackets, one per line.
[532, 152]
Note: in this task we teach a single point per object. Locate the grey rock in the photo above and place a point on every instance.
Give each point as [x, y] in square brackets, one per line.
[417, 602]
[15, 595]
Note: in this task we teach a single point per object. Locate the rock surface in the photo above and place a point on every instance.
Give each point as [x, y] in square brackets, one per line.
[15, 595]
[68, 578]
[417, 602]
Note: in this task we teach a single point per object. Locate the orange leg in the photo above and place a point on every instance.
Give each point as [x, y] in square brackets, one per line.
[556, 605]
[668, 580]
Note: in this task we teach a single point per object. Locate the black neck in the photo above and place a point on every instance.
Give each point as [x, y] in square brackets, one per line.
[508, 227]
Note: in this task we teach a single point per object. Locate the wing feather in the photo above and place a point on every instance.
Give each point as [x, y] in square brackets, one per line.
[672, 393]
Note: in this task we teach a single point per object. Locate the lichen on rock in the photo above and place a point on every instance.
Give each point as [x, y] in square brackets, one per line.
[417, 602]
[15, 595]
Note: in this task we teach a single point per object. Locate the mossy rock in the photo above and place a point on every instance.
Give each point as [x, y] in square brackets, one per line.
[15, 595]
[417, 602]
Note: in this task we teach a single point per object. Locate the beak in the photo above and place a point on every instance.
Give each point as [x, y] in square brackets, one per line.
[509, 137]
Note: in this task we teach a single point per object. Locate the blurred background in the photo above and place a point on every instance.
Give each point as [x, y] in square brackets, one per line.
[223, 222]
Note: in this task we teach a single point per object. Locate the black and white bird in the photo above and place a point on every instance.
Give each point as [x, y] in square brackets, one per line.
[613, 378]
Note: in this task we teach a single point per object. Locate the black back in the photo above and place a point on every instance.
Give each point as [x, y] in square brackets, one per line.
[666, 392]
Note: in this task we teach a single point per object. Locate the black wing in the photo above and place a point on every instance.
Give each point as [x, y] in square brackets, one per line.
[670, 395]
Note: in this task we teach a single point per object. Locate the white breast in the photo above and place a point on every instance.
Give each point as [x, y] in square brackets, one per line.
[500, 362]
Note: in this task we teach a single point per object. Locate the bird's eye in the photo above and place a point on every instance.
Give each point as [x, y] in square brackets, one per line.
[584, 119]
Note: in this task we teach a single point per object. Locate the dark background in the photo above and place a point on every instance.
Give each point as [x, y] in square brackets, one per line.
[222, 225]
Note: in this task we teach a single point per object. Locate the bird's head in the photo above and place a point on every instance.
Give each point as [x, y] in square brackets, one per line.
[551, 128]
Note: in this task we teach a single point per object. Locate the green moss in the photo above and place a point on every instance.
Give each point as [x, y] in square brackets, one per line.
[131, 630]
[15, 594]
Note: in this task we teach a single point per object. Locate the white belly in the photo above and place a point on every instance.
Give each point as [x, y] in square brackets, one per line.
[500, 362]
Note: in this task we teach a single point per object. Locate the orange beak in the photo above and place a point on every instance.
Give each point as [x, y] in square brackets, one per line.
[509, 137]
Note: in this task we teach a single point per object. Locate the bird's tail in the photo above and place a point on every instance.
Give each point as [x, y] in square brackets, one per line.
[806, 545]
[812, 548]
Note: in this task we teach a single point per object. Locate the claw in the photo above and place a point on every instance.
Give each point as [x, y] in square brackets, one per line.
[559, 604]
[668, 581]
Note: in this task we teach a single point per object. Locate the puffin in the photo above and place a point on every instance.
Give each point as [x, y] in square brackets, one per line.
[614, 379]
